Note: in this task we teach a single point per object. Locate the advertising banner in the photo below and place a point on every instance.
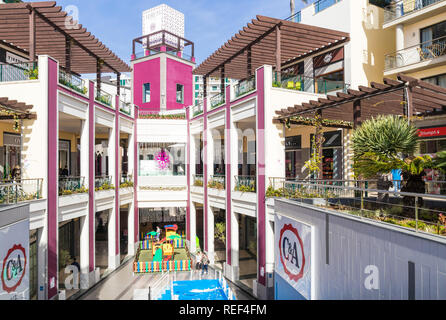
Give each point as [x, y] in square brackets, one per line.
[293, 254]
[14, 261]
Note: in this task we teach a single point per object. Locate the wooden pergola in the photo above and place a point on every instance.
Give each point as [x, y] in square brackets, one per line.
[267, 41]
[42, 28]
[14, 110]
[406, 96]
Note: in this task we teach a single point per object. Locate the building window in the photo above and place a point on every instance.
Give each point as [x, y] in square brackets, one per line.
[146, 92]
[162, 159]
[180, 93]
[197, 87]
[439, 80]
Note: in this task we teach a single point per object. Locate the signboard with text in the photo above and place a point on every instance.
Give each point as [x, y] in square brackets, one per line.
[14, 261]
[432, 132]
[293, 254]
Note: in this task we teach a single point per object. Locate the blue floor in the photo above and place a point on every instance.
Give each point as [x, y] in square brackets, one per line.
[196, 290]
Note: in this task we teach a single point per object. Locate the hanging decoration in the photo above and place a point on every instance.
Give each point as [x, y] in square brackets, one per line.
[14, 115]
[163, 160]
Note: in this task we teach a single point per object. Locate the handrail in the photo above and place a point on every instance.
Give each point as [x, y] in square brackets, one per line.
[307, 84]
[21, 71]
[104, 97]
[73, 82]
[217, 100]
[20, 190]
[417, 53]
[403, 7]
[245, 86]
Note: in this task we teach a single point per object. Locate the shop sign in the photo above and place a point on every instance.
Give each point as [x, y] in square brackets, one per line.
[293, 254]
[14, 250]
[12, 140]
[294, 142]
[432, 132]
[328, 58]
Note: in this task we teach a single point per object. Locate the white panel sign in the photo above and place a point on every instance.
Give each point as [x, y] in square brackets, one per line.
[14, 261]
[293, 254]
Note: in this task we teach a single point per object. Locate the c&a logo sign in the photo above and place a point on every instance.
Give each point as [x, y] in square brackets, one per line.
[292, 254]
[14, 266]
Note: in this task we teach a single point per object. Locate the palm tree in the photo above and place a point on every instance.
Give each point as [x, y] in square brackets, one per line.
[389, 142]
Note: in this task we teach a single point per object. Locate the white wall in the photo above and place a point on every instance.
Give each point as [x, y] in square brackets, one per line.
[356, 243]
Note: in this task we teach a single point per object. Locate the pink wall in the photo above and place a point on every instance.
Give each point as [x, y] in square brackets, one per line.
[147, 72]
[178, 73]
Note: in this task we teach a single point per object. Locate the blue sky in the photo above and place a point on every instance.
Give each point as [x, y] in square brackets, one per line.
[209, 23]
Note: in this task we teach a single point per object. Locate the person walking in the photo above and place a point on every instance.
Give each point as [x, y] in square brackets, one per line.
[204, 264]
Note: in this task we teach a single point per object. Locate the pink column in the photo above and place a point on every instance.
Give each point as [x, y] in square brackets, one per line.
[205, 173]
[135, 176]
[91, 176]
[261, 185]
[117, 177]
[188, 177]
[228, 175]
[53, 179]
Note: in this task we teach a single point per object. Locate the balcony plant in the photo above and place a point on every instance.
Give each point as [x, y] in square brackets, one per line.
[105, 186]
[214, 184]
[126, 184]
[32, 74]
[68, 192]
[198, 183]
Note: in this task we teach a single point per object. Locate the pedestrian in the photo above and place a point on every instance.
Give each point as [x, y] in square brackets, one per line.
[158, 233]
[204, 264]
[76, 264]
[198, 262]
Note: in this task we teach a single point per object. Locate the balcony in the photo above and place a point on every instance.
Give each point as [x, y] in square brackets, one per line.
[245, 183]
[20, 190]
[423, 52]
[73, 82]
[244, 87]
[72, 185]
[217, 100]
[217, 182]
[197, 110]
[104, 98]
[103, 183]
[403, 8]
[125, 108]
[323, 4]
[126, 181]
[18, 71]
[198, 180]
[307, 84]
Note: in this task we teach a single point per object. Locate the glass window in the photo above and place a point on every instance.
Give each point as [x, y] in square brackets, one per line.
[146, 92]
[180, 93]
[439, 80]
[162, 159]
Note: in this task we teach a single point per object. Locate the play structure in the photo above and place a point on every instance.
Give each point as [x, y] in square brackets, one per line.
[170, 253]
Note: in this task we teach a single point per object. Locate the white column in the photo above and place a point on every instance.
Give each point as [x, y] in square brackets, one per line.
[210, 215]
[399, 37]
[42, 244]
[192, 211]
[84, 252]
[113, 260]
[131, 156]
[84, 147]
[131, 230]
[193, 227]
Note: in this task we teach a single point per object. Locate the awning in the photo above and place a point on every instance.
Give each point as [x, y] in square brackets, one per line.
[43, 28]
[13, 110]
[266, 41]
[406, 96]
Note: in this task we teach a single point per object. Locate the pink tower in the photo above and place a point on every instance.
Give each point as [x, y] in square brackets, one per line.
[162, 72]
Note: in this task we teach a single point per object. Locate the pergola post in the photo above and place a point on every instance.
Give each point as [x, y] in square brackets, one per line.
[319, 140]
[32, 35]
[249, 62]
[68, 55]
[356, 113]
[278, 54]
[222, 81]
[98, 76]
[205, 86]
[409, 102]
[118, 83]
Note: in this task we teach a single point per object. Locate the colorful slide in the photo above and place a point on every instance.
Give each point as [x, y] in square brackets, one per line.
[158, 255]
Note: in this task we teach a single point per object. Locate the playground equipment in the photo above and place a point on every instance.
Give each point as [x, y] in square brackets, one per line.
[171, 230]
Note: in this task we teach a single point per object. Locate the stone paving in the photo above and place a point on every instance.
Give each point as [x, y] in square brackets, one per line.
[121, 284]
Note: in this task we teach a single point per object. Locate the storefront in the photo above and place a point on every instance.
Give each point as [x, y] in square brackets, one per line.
[162, 159]
[433, 140]
[328, 71]
[12, 145]
[332, 161]
[69, 250]
[294, 160]
[64, 157]
[33, 265]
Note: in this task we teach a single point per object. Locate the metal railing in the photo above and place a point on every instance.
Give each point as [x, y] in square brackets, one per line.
[18, 71]
[297, 17]
[245, 86]
[198, 180]
[20, 190]
[245, 183]
[217, 100]
[69, 185]
[197, 110]
[125, 108]
[126, 181]
[320, 5]
[307, 84]
[160, 286]
[426, 213]
[104, 97]
[103, 183]
[403, 7]
[73, 82]
[217, 182]
[421, 52]
[140, 54]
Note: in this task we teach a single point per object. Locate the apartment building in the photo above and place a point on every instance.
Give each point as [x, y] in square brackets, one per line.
[214, 87]
[68, 149]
